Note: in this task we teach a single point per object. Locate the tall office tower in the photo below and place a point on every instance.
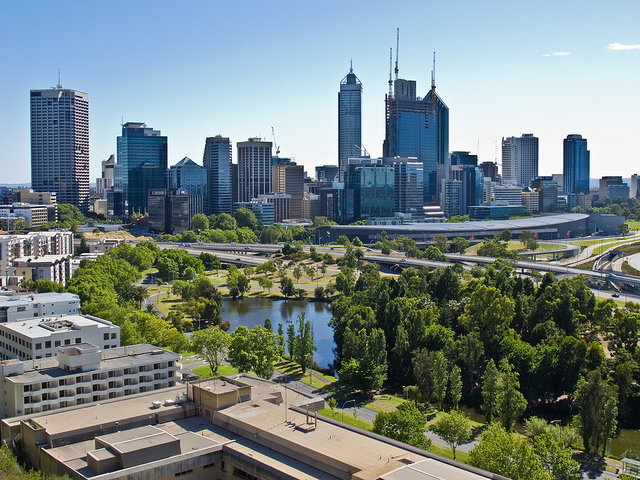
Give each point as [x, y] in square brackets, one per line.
[409, 186]
[105, 182]
[217, 162]
[633, 186]
[418, 127]
[575, 162]
[254, 169]
[489, 170]
[349, 121]
[187, 178]
[289, 179]
[520, 159]
[60, 144]
[142, 162]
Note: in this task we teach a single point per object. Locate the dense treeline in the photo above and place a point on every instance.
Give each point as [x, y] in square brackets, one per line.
[550, 335]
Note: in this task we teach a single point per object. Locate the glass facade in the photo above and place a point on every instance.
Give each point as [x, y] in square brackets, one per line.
[217, 162]
[349, 121]
[576, 161]
[409, 186]
[142, 158]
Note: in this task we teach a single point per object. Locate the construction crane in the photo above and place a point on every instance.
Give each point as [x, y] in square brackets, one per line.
[390, 67]
[275, 144]
[362, 149]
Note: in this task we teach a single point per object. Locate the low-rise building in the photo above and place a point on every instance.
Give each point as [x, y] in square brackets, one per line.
[19, 307]
[83, 373]
[35, 215]
[56, 268]
[14, 247]
[37, 338]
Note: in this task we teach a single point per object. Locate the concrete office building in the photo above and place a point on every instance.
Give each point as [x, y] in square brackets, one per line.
[217, 163]
[60, 144]
[254, 169]
[142, 165]
[84, 373]
[520, 159]
[289, 179]
[105, 182]
[576, 161]
[511, 194]
[34, 215]
[31, 339]
[19, 307]
[349, 121]
[225, 428]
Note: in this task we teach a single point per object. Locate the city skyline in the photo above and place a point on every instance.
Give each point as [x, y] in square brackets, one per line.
[498, 78]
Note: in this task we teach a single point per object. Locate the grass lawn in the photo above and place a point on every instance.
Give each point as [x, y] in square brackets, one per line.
[149, 271]
[633, 224]
[346, 417]
[205, 371]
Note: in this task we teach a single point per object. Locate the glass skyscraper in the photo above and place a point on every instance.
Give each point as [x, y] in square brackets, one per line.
[254, 169]
[60, 144]
[217, 162]
[418, 127]
[576, 161]
[349, 121]
[142, 165]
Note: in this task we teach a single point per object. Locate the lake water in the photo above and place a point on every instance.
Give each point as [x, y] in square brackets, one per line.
[252, 311]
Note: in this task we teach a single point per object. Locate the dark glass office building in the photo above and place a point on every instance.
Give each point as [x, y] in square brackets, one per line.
[142, 161]
[217, 162]
[576, 161]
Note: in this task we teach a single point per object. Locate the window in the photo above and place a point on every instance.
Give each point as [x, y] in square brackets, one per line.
[67, 341]
[22, 309]
[113, 336]
[79, 391]
[57, 343]
[47, 344]
[106, 336]
[78, 340]
[38, 346]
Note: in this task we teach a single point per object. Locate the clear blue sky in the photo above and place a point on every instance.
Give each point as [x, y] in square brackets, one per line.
[200, 68]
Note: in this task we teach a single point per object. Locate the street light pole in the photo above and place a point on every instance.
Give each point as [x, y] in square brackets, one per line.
[344, 405]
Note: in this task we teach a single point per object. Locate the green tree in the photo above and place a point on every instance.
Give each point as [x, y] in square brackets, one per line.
[253, 350]
[246, 218]
[623, 229]
[265, 283]
[303, 345]
[505, 235]
[440, 378]
[525, 236]
[332, 403]
[407, 424]
[532, 245]
[286, 287]
[297, 273]
[199, 222]
[291, 339]
[453, 428]
[490, 384]
[357, 242]
[211, 345]
[364, 359]
[441, 243]
[460, 244]
[511, 403]
[19, 224]
[555, 457]
[595, 398]
[455, 387]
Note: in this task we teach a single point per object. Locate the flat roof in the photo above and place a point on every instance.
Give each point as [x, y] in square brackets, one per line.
[40, 327]
[36, 298]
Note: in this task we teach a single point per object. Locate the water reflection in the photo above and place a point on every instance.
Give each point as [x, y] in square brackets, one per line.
[252, 311]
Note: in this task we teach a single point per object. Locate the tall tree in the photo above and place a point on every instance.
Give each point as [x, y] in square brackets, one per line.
[364, 359]
[303, 345]
[407, 424]
[291, 339]
[455, 387]
[253, 350]
[440, 378]
[490, 382]
[511, 402]
[211, 345]
[592, 397]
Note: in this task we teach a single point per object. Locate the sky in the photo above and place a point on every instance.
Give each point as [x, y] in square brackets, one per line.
[238, 68]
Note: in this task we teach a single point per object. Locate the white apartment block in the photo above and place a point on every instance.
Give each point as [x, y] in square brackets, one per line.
[35, 215]
[38, 338]
[83, 373]
[13, 247]
[19, 307]
[57, 268]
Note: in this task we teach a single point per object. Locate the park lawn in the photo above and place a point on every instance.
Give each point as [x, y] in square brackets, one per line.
[633, 224]
[348, 418]
[393, 401]
[294, 370]
[148, 271]
[223, 370]
[445, 451]
[441, 412]
[168, 302]
[153, 289]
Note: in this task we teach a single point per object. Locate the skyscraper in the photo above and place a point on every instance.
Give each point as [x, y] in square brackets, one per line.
[575, 162]
[217, 162]
[418, 127]
[187, 178]
[254, 169]
[520, 159]
[289, 179]
[60, 144]
[142, 165]
[349, 121]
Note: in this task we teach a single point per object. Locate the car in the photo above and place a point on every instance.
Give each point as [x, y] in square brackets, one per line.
[368, 249]
[233, 243]
[615, 295]
[404, 260]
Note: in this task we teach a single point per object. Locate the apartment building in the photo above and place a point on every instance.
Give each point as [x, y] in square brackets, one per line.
[13, 247]
[84, 373]
[19, 307]
[38, 338]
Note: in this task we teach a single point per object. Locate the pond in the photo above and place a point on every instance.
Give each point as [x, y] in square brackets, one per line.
[252, 311]
[627, 441]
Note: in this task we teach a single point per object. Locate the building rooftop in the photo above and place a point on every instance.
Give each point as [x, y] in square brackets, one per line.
[36, 298]
[41, 327]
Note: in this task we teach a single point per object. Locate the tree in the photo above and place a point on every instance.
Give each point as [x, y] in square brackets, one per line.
[364, 359]
[440, 378]
[555, 456]
[532, 245]
[460, 244]
[441, 243]
[297, 273]
[623, 229]
[246, 218]
[199, 222]
[511, 403]
[332, 403]
[407, 424]
[19, 224]
[211, 345]
[455, 387]
[303, 344]
[286, 287]
[253, 350]
[505, 235]
[490, 382]
[291, 339]
[592, 397]
[525, 236]
[503, 453]
[357, 242]
[453, 428]
[265, 283]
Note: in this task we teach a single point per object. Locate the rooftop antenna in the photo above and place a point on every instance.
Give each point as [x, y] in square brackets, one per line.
[496, 153]
[397, 48]
[433, 72]
[59, 85]
[351, 66]
[478, 149]
[390, 65]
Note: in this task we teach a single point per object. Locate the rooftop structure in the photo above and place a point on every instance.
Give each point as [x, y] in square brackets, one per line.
[18, 307]
[241, 427]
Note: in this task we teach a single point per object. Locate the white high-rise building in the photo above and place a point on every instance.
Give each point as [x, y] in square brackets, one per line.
[520, 159]
[254, 169]
[349, 121]
[60, 144]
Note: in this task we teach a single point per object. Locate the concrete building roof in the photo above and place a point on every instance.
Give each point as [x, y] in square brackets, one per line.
[37, 298]
[41, 327]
